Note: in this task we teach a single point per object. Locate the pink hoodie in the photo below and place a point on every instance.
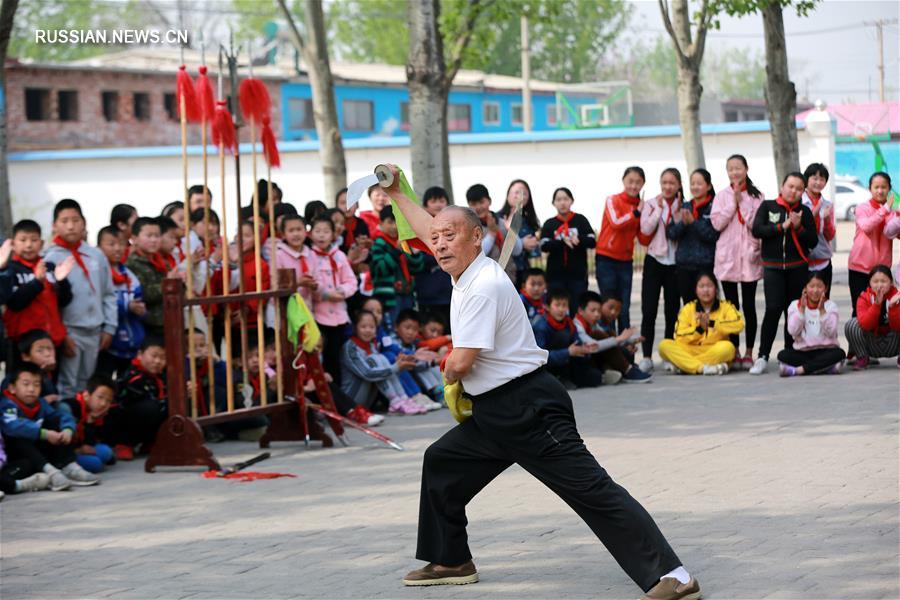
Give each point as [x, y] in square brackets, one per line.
[653, 223]
[301, 262]
[811, 329]
[737, 251]
[330, 312]
[876, 226]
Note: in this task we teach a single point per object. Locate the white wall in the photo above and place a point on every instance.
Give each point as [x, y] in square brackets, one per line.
[591, 168]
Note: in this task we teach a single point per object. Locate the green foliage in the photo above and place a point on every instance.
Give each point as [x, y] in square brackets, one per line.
[369, 31]
[741, 8]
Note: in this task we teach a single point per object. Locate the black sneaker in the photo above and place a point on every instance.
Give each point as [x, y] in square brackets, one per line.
[635, 375]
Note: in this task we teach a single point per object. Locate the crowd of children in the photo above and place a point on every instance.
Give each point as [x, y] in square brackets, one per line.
[85, 336]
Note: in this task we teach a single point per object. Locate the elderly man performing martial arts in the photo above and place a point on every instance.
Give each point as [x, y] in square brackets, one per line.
[520, 414]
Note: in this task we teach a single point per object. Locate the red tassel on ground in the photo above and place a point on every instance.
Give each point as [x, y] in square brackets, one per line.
[254, 99]
[223, 128]
[184, 88]
[206, 98]
[270, 148]
[245, 476]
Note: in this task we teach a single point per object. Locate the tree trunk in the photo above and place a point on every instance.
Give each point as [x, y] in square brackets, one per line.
[781, 95]
[689, 91]
[7, 12]
[315, 55]
[331, 145]
[425, 74]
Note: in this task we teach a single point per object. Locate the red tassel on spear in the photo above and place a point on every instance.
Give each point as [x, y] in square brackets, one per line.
[205, 96]
[184, 88]
[270, 148]
[255, 101]
[223, 128]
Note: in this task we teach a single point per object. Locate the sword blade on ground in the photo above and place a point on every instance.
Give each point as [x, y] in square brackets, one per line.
[355, 425]
[243, 465]
[511, 236]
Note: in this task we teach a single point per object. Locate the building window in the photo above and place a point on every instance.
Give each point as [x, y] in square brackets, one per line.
[516, 113]
[358, 115]
[491, 113]
[300, 114]
[551, 115]
[110, 102]
[404, 116]
[37, 104]
[67, 101]
[170, 105]
[141, 106]
[731, 116]
[459, 117]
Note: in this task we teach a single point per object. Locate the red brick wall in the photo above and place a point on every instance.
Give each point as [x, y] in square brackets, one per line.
[92, 130]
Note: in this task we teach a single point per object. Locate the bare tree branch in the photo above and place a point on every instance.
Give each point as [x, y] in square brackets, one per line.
[296, 36]
[667, 21]
[476, 9]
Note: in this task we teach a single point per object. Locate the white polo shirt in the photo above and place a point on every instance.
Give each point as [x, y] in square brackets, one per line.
[487, 313]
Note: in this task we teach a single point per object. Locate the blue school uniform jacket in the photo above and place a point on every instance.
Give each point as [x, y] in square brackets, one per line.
[17, 424]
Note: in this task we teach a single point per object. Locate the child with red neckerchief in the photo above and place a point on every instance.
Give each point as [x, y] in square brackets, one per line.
[566, 238]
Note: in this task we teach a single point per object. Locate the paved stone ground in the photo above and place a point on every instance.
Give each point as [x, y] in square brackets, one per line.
[766, 488]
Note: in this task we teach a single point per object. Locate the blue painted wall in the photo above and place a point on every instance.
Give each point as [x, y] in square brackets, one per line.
[859, 159]
[386, 108]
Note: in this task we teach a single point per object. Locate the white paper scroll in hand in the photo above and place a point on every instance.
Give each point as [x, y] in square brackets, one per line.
[356, 189]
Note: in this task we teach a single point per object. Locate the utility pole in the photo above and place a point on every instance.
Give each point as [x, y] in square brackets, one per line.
[879, 32]
[526, 77]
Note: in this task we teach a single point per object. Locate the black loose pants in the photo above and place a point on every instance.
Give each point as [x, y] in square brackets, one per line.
[529, 421]
[780, 287]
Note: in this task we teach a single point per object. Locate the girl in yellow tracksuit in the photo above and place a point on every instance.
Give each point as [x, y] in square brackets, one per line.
[701, 334]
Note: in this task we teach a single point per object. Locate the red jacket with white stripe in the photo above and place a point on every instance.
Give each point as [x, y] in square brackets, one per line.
[619, 228]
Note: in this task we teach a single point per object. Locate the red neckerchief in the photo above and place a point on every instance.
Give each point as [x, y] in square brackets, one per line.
[815, 208]
[537, 304]
[180, 251]
[349, 231]
[119, 277]
[31, 265]
[73, 248]
[737, 193]
[587, 327]
[875, 204]
[696, 205]
[169, 261]
[156, 261]
[29, 411]
[331, 261]
[560, 325]
[136, 363]
[671, 216]
[624, 197]
[788, 209]
[83, 418]
[808, 305]
[253, 380]
[392, 242]
[364, 346]
[564, 230]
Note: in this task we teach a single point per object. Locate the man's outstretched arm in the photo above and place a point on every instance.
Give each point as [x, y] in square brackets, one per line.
[418, 218]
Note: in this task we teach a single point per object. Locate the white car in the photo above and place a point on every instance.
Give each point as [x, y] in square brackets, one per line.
[848, 193]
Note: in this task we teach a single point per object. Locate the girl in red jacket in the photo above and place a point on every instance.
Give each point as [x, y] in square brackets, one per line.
[876, 226]
[615, 242]
[875, 331]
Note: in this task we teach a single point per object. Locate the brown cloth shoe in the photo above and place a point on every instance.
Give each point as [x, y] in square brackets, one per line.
[669, 588]
[433, 574]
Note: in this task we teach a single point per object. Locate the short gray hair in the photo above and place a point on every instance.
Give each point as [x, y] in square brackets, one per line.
[467, 213]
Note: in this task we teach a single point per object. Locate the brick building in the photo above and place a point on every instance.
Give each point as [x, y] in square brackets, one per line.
[115, 100]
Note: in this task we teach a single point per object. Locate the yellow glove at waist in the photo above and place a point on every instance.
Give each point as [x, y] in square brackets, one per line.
[460, 406]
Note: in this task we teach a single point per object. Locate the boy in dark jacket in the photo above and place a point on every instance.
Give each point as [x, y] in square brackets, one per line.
[35, 431]
[130, 302]
[151, 269]
[34, 291]
[569, 358]
[142, 398]
[534, 287]
[93, 430]
[36, 347]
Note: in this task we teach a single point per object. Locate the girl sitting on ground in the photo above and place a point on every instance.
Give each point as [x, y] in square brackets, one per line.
[366, 371]
[875, 331]
[813, 323]
[701, 343]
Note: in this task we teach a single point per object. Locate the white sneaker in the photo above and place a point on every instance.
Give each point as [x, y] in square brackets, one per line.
[646, 365]
[426, 402]
[759, 367]
[78, 476]
[35, 483]
[58, 481]
[668, 367]
[611, 377]
[719, 369]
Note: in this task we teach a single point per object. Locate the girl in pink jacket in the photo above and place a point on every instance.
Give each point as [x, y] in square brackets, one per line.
[336, 282]
[738, 261]
[293, 253]
[813, 323]
[876, 226]
[660, 272]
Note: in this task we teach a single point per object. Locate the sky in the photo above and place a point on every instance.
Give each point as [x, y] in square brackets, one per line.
[832, 55]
